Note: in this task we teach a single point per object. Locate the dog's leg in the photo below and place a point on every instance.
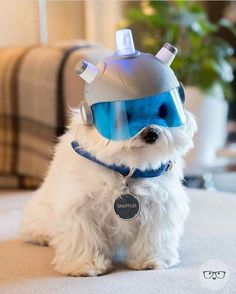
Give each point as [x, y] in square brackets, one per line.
[35, 225]
[143, 252]
[156, 246]
[81, 247]
[149, 253]
[168, 248]
[171, 227]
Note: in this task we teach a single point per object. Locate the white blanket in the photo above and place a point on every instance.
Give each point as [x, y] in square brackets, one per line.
[210, 234]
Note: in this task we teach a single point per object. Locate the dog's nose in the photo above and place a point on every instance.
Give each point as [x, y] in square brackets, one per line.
[149, 135]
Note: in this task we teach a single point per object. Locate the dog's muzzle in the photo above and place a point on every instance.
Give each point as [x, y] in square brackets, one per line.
[149, 135]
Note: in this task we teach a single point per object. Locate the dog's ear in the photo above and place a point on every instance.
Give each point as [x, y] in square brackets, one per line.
[191, 123]
[74, 115]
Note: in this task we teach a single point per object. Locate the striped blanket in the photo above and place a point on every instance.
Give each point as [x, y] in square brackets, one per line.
[37, 84]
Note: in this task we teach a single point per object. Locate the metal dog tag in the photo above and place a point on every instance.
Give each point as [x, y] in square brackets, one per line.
[127, 205]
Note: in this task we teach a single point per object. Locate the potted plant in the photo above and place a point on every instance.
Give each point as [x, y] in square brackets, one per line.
[204, 63]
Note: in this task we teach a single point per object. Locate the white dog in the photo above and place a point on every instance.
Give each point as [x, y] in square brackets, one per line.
[73, 211]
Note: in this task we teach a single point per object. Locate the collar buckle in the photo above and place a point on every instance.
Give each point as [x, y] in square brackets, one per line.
[170, 166]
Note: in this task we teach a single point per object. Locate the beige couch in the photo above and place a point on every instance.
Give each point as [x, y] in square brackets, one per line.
[210, 234]
[38, 84]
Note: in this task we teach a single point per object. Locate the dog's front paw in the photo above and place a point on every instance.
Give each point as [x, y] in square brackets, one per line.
[171, 261]
[153, 263]
[97, 267]
[147, 264]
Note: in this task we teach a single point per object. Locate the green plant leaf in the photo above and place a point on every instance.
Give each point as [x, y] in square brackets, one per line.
[204, 58]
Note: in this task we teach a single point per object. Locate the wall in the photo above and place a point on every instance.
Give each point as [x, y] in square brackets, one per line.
[19, 21]
[65, 20]
[102, 18]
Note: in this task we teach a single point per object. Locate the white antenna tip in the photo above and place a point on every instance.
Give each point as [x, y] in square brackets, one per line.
[86, 71]
[124, 42]
[167, 54]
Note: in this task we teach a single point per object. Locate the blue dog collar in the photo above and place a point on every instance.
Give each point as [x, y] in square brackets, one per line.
[122, 169]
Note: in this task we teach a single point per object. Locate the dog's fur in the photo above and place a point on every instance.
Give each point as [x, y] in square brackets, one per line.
[73, 209]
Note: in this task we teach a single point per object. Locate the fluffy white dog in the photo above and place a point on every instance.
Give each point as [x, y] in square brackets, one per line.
[73, 211]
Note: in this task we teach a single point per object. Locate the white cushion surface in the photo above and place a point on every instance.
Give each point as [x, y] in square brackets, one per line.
[210, 234]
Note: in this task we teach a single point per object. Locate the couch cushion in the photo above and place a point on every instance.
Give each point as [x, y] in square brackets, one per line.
[38, 84]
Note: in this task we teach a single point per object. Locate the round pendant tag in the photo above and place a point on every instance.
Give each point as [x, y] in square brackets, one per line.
[127, 206]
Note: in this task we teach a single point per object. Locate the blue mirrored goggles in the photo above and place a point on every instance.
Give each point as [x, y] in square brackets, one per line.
[121, 120]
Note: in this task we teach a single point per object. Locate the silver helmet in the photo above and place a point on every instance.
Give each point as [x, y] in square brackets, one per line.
[129, 90]
[128, 73]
